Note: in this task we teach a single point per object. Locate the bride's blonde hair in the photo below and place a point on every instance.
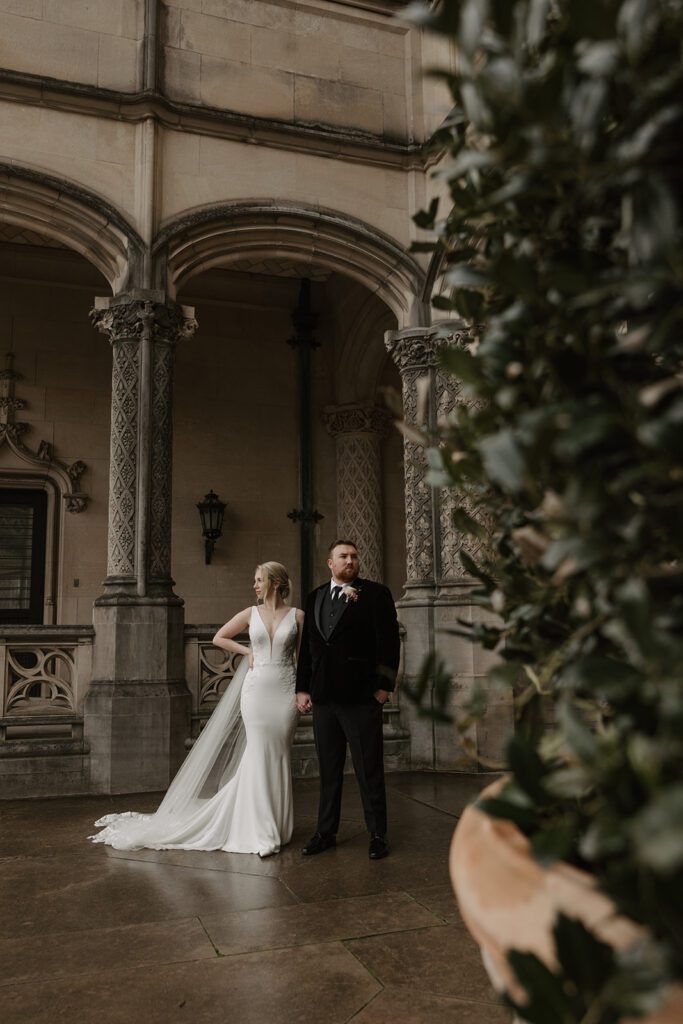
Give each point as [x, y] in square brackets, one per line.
[277, 576]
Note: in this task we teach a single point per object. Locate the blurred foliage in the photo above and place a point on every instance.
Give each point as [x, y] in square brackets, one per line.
[562, 253]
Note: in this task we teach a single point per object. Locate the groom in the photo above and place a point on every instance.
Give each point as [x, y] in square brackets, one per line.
[346, 671]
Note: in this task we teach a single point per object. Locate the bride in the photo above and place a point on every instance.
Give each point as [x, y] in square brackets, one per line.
[234, 790]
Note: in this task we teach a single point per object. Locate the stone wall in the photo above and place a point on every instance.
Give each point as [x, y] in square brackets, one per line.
[310, 63]
[45, 295]
[96, 42]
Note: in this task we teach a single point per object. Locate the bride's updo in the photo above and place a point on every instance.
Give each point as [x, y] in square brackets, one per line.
[277, 577]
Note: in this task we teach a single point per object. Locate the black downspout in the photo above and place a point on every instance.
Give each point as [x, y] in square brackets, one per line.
[304, 320]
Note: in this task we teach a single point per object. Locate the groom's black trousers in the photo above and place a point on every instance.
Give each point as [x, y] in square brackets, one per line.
[359, 725]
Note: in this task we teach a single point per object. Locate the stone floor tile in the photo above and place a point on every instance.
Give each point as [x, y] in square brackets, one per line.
[242, 863]
[285, 986]
[102, 949]
[308, 923]
[76, 893]
[440, 900]
[52, 827]
[442, 961]
[346, 870]
[449, 792]
[403, 1005]
[325, 933]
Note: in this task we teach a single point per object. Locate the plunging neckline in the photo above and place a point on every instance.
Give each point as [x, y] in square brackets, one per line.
[271, 638]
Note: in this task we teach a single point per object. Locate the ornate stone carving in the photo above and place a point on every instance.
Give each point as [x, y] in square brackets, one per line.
[452, 541]
[216, 671]
[357, 430]
[126, 322]
[367, 418]
[12, 430]
[39, 678]
[429, 514]
[123, 458]
[419, 498]
[162, 459]
[419, 348]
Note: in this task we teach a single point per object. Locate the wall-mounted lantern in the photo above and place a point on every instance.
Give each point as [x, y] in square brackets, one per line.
[211, 510]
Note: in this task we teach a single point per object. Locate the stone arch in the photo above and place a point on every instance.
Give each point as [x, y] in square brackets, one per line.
[228, 233]
[364, 349]
[73, 217]
[434, 283]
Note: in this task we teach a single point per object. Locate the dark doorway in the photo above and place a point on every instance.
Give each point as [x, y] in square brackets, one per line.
[23, 516]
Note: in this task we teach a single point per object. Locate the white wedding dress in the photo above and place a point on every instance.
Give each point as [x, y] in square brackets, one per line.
[230, 794]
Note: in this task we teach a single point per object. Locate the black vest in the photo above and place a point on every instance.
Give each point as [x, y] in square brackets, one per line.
[330, 611]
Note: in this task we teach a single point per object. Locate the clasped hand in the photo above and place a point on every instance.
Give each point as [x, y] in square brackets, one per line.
[304, 703]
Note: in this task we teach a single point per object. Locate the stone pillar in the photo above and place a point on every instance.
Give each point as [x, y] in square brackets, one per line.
[438, 591]
[415, 355]
[358, 431]
[138, 705]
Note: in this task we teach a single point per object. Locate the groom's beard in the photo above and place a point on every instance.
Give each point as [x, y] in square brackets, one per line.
[348, 575]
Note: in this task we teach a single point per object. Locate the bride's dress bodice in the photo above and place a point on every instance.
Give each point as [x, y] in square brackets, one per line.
[281, 651]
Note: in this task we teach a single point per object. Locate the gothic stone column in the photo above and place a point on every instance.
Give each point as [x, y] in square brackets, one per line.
[138, 705]
[437, 588]
[415, 353]
[358, 431]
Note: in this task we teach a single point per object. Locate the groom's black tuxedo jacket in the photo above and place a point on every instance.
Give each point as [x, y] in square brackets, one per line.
[360, 655]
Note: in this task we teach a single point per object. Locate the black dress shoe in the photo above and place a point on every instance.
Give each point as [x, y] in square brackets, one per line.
[379, 847]
[318, 844]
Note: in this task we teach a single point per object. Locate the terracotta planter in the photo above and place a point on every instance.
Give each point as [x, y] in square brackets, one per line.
[509, 902]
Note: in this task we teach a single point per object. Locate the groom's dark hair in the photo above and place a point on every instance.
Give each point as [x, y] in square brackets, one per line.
[338, 543]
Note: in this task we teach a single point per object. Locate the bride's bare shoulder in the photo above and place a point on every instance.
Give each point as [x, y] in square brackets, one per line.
[238, 622]
[300, 615]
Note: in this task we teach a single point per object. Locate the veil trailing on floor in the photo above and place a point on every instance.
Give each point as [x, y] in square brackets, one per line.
[210, 766]
[215, 755]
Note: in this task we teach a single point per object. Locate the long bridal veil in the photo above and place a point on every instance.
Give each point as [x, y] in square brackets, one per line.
[210, 766]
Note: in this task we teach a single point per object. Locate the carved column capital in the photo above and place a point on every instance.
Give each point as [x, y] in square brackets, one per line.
[357, 419]
[124, 318]
[419, 348]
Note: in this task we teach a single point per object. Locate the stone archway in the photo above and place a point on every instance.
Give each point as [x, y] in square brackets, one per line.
[73, 217]
[266, 229]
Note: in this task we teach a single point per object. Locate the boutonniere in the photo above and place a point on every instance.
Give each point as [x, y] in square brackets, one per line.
[350, 594]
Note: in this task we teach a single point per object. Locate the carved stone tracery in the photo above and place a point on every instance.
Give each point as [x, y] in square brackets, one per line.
[126, 322]
[12, 431]
[433, 544]
[415, 353]
[358, 430]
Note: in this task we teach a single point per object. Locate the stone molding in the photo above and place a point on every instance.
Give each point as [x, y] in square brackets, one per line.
[351, 145]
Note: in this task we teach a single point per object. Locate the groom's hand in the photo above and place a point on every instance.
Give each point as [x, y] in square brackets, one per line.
[304, 702]
[381, 696]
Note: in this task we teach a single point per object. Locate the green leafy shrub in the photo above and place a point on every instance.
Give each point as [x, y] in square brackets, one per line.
[562, 252]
